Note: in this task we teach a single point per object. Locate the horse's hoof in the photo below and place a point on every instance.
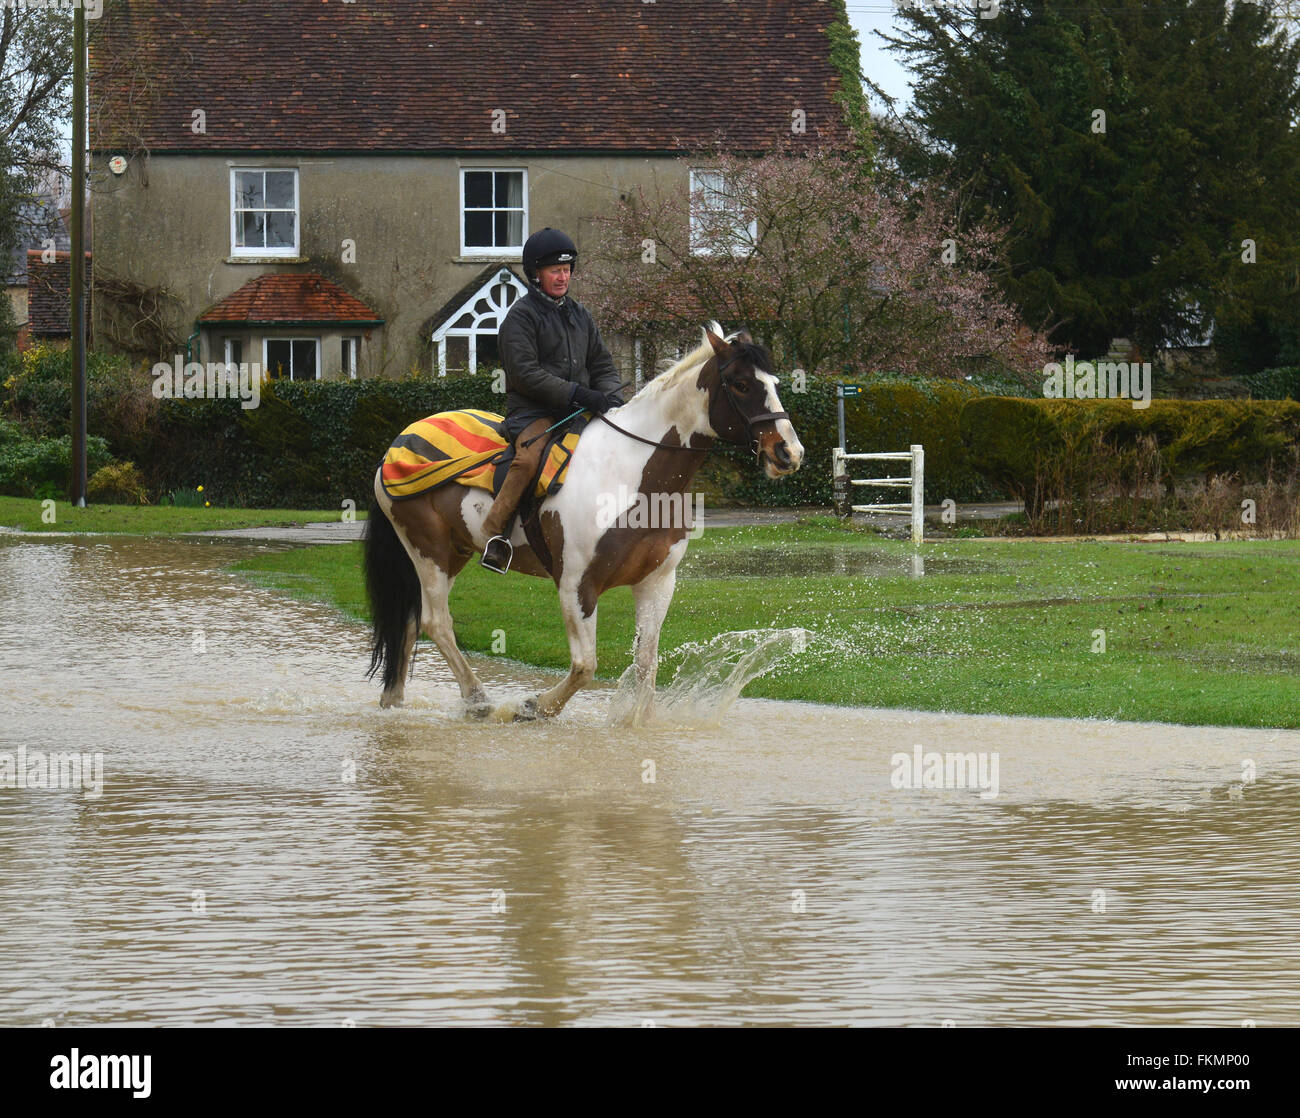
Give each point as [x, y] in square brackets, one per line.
[386, 702]
[527, 711]
[477, 712]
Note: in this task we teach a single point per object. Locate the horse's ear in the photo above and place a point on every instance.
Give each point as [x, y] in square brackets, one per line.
[715, 340]
[742, 336]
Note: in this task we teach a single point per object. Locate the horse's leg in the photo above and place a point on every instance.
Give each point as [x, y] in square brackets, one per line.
[435, 621]
[653, 595]
[434, 539]
[582, 657]
[394, 696]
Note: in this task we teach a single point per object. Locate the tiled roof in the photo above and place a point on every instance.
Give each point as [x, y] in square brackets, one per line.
[38, 219]
[301, 297]
[427, 75]
[49, 291]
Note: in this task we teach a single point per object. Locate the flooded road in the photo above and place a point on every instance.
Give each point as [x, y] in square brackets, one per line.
[268, 847]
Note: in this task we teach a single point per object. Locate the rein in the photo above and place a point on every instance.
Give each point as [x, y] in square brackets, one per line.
[749, 421]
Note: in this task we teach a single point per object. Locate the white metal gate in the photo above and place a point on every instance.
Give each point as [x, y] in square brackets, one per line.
[915, 481]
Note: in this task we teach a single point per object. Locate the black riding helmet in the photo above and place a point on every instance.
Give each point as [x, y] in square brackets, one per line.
[548, 246]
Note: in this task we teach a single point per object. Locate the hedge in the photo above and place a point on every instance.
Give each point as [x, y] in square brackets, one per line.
[315, 444]
[889, 414]
[1274, 384]
[1015, 442]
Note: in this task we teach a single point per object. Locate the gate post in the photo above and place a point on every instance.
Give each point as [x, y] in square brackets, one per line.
[918, 493]
[840, 482]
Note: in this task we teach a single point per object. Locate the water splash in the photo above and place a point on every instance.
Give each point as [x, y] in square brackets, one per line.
[709, 678]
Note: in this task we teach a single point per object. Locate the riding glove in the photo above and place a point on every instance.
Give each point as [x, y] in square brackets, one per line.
[590, 399]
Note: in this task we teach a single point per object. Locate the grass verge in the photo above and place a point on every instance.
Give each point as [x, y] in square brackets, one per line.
[1193, 633]
[30, 515]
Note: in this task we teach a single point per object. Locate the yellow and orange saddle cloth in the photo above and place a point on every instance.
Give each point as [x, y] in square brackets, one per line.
[469, 447]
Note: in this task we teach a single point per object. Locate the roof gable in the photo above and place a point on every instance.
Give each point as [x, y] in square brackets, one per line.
[443, 75]
[485, 299]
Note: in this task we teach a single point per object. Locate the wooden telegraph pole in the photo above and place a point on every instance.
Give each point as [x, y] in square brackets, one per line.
[78, 262]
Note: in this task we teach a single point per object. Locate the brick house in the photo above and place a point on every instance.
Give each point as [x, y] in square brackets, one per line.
[343, 189]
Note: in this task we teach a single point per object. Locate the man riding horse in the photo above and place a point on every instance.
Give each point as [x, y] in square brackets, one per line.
[555, 362]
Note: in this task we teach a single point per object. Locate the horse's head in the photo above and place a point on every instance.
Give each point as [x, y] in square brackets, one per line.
[743, 404]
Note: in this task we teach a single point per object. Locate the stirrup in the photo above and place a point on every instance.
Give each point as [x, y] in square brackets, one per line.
[510, 554]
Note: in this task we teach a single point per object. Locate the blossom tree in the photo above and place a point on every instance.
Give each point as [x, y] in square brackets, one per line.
[837, 271]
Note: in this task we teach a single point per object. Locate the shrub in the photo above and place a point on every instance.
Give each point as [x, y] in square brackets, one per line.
[38, 395]
[118, 484]
[43, 467]
[1011, 440]
[1101, 465]
[1274, 384]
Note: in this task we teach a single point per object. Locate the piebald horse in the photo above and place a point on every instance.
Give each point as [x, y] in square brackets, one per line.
[648, 451]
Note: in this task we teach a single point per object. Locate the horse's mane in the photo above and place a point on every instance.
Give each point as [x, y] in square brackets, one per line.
[689, 365]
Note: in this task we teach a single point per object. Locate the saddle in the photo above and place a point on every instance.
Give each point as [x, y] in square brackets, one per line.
[470, 447]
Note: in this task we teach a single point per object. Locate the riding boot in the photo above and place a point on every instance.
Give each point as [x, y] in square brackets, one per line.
[497, 552]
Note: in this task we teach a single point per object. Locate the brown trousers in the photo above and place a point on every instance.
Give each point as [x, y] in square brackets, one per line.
[519, 476]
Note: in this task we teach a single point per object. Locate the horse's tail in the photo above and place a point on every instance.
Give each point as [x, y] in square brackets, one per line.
[394, 591]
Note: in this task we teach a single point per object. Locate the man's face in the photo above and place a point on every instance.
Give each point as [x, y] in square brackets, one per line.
[554, 279]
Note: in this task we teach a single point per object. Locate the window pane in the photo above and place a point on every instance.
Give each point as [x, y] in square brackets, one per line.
[278, 355]
[514, 229]
[501, 222]
[234, 350]
[351, 356]
[489, 353]
[279, 229]
[478, 188]
[709, 181]
[248, 189]
[510, 188]
[478, 229]
[457, 352]
[279, 189]
[250, 228]
[304, 360]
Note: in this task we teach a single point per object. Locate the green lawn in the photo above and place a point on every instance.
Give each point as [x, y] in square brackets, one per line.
[147, 520]
[1197, 633]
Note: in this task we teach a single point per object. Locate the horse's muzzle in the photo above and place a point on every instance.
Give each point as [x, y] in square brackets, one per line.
[781, 460]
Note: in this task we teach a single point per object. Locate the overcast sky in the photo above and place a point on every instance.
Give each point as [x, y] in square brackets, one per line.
[878, 64]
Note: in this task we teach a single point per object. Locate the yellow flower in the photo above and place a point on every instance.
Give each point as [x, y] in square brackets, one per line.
[200, 489]
[207, 504]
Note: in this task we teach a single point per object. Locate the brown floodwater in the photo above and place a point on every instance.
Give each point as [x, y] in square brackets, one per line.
[269, 847]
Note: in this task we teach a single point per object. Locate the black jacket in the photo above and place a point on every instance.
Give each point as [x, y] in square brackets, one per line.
[546, 348]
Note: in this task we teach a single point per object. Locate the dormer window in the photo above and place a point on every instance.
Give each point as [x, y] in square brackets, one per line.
[263, 212]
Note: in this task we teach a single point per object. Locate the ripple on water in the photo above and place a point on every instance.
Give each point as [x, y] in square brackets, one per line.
[271, 848]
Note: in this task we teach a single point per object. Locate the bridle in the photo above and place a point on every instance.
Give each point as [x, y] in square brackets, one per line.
[750, 422]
